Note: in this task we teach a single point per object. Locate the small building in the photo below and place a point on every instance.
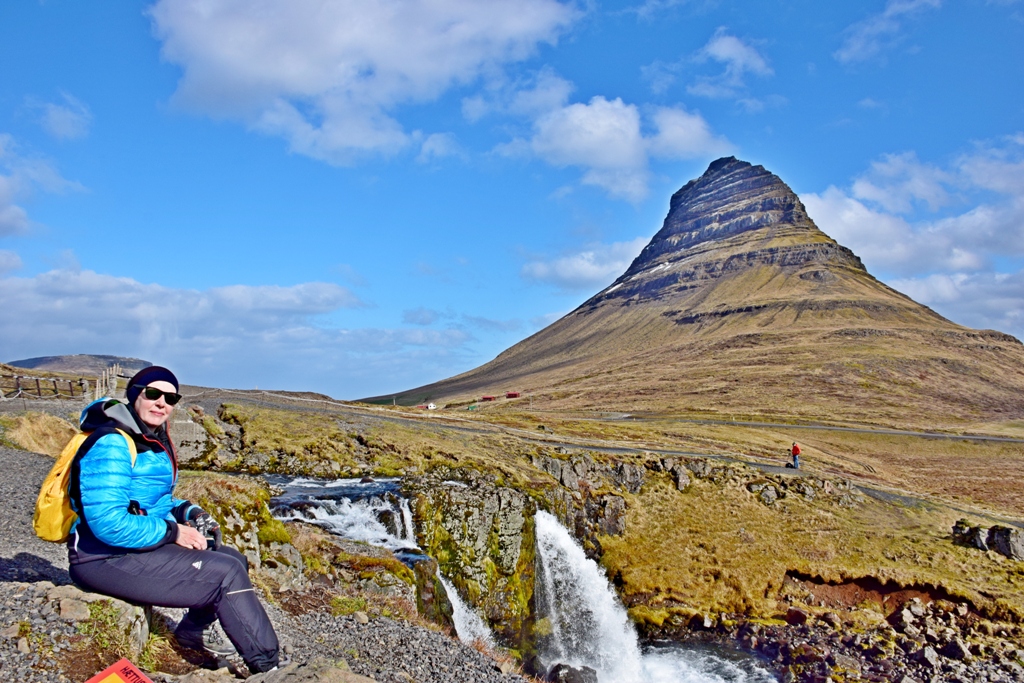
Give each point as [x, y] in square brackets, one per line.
[422, 406]
[431, 406]
[511, 394]
[486, 398]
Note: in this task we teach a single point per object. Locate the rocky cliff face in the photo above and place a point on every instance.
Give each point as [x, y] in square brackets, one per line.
[733, 205]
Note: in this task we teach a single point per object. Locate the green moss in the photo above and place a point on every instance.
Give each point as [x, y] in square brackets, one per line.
[646, 615]
[367, 566]
[273, 531]
[342, 606]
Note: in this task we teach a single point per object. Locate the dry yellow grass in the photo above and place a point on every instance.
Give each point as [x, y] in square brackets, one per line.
[37, 432]
[714, 549]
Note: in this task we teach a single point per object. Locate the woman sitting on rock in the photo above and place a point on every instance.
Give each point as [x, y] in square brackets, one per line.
[134, 541]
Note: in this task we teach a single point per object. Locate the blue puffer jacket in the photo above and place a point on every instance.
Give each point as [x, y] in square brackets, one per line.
[109, 486]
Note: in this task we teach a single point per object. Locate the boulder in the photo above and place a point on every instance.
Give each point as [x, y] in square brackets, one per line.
[682, 479]
[1007, 541]
[133, 621]
[902, 619]
[629, 477]
[768, 495]
[563, 673]
[284, 565]
[318, 670]
[796, 617]
[700, 467]
[608, 512]
[969, 536]
[957, 649]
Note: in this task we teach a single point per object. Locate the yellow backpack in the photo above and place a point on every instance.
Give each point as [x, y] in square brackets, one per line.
[53, 517]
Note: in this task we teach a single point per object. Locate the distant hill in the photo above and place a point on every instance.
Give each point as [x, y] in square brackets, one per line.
[741, 305]
[82, 364]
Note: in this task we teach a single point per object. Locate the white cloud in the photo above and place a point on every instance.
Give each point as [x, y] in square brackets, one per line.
[67, 121]
[592, 268]
[872, 36]
[226, 336]
[604, 138]
[967, 264]
[980, 300]
[9, 261]
[439, 146]
[19, 176]
[682, 135]
[739, 59]
[897, 181]
[871, 218]
[328, 76]
[420, 316]
[884, 241]
[531, 96]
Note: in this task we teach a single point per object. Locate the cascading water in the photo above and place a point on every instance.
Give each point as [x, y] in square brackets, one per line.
[589, 626]
[374, 512]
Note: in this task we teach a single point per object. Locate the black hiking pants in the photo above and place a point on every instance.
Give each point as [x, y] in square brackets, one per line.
[212, 584]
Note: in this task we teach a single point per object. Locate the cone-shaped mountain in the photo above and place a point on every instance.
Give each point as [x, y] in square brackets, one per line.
[740, 304]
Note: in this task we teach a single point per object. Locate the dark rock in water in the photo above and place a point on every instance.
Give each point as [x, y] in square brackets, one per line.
[702, 622]
[1007, 541]
[970, 536]
[563, 673]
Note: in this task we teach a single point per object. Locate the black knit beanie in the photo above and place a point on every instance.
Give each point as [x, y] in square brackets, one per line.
[154, 373]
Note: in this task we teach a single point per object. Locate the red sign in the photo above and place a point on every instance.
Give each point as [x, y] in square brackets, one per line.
[120, 672]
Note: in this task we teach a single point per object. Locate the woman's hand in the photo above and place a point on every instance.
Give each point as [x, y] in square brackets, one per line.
[190, 538]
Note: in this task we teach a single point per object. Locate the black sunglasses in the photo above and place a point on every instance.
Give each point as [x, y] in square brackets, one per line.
[152, 393]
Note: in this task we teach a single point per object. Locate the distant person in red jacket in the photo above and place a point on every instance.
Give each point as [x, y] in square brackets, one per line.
[795, 452]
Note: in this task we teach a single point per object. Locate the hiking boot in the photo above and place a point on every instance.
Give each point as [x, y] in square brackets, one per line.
[203, 638]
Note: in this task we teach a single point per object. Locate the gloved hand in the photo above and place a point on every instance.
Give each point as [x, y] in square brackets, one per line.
[204, 522]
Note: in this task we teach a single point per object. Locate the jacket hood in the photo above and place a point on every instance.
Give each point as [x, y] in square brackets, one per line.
[109, 412]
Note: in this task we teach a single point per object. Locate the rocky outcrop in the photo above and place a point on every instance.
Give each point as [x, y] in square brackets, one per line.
[1001, 539]
[1007, 541]
[482, 537]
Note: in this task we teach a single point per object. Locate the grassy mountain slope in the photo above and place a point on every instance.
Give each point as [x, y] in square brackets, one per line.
[740, 304]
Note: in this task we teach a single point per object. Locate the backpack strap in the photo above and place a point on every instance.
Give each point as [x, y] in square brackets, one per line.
[74, 488]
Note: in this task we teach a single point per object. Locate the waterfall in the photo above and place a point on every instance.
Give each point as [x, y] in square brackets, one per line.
[373, 512]
[410, 532]
[590, 627]
[469, 626]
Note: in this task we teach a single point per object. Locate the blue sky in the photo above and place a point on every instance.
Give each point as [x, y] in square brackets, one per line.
[360, 197]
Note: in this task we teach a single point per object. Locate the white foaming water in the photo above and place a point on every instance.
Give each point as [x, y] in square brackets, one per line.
[589, 626]
[410, 532]
[469, 625]
[354, 520]
[360, 520]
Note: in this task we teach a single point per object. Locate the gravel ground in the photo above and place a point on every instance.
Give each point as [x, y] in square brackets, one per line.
[389, 651]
